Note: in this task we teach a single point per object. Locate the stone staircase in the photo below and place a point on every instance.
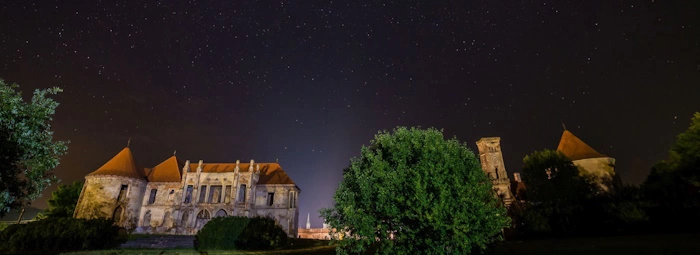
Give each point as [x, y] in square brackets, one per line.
[160, 241]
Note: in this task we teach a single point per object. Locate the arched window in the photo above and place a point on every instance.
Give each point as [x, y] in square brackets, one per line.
[221, 213]
[117, 215]
[185, 218]
[147, 219]
[203, 214]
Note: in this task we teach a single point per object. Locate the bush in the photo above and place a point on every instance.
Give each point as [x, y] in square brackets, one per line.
[60, 234]
[227, 233]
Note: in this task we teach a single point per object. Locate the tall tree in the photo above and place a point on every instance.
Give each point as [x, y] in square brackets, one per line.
[413, 192]
[27, 149]
[673, 184]
[64, 199]
[555, 190]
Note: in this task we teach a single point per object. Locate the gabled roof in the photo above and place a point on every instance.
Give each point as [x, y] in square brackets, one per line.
[122, 164]
[166, 171]
[576, 149]
[270, 173]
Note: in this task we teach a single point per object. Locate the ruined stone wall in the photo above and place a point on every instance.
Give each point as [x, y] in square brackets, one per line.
[158, 215]
[601, 169]
[103, 197]
[283, 209]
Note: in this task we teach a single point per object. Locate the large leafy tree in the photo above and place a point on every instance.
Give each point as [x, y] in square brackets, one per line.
[413, 192]
[27, 150]
[555, 192]
[674, 184]
[64, 199]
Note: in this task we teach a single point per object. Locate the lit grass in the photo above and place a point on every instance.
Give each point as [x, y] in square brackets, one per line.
[323, 250]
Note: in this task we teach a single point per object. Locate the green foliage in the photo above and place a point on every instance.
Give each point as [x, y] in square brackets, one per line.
[60, 234]
[234, 232]
[3, 226]
[556, 192]
[551, 177]
[27, 149]
[428, 193]
[562, 201]
[64, 199]
[673, 184]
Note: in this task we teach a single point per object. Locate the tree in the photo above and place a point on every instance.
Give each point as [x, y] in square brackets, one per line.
[27, 149]
[673, 184]
[64, 199]
[555, 191]
[413, 192]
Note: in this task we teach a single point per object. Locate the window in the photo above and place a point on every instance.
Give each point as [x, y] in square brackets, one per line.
[188, 194]
[117, 215]
[241, 193]
[227, 194]
[214, 194]
[152, 198]
[270, 198]
[122, 192]
[292, 199]
[202, 193]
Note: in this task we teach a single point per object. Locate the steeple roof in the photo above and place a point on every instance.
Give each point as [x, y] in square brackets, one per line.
[576, 149]
[120, 165]
[166, 171]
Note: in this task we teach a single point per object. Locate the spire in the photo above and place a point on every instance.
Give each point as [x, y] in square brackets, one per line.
[308, 222]
[128, 142]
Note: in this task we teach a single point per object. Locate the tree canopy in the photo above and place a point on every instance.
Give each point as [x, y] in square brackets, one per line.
[27, 149]
[555, 192]
[413, 192]
[64, 199]
[674, 183]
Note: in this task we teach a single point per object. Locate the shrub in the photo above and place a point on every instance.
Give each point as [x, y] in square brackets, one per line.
[60, 234]
[227, 233]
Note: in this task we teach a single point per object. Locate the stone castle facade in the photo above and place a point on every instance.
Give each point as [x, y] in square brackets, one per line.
[179, 197]
[491, 159]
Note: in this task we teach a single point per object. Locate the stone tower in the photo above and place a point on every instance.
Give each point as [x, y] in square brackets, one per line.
[114, 191]
[492, 163]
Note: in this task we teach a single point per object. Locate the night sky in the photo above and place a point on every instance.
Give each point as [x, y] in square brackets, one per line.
[309, 82]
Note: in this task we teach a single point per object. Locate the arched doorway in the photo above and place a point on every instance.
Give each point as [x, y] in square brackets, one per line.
[202, 218]
[221, 213]
[117, 215]
[147, 219]
[185, 218]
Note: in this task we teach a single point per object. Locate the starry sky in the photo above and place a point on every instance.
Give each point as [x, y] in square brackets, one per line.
[309, 82]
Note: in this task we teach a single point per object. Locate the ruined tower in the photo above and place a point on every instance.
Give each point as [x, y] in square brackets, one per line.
[492, 163]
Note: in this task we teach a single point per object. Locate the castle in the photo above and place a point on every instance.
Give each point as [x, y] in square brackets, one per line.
[177, 197]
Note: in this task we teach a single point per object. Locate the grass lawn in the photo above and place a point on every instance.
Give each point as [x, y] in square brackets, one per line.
[673, 244]
[296, 247]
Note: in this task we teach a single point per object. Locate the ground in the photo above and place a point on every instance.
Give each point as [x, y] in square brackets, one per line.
[675, 244]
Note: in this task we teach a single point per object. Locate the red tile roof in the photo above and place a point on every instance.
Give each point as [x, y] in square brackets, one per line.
[167, 171]
[121, 165]
[576, 149]
[270, 173]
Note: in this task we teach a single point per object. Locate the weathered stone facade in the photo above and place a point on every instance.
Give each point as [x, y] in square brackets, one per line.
[178, 197]
[491, 160]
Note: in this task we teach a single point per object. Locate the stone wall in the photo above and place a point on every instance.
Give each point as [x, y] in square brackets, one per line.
[173, 212]
[113, 197]
[601, 169]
